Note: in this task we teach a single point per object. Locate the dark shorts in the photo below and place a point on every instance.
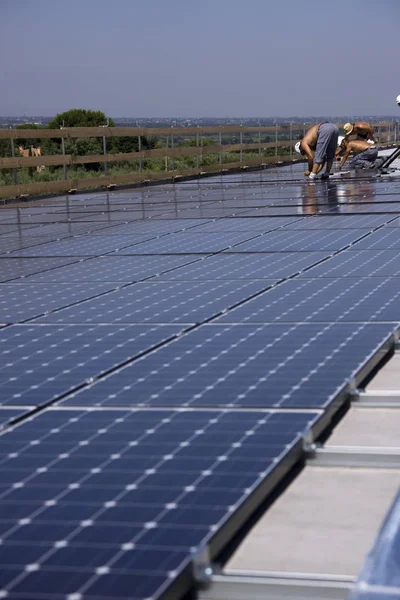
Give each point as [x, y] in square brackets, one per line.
[326, 146]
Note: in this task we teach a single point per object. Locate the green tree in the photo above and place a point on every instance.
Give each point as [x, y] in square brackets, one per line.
[79, 117]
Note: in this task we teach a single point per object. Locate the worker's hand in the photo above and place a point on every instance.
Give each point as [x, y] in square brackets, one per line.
[306, 173]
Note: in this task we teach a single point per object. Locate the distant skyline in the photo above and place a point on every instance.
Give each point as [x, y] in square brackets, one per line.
[217, 58]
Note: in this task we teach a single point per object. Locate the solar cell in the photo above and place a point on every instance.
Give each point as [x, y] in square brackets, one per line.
[41, 363]
[164, 302]
[112, 504]
[324, 300]
[302, 366]
[22, 301]
[301, 241]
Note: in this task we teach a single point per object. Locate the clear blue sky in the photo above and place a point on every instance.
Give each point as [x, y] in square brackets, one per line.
[200, 58]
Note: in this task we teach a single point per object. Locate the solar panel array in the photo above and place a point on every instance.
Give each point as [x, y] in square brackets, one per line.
[165, 352]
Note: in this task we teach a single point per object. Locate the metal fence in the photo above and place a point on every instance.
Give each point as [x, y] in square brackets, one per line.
[273, 137]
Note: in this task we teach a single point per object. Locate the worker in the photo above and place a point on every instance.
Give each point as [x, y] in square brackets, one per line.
[319, 146]
[365, 153]
[362, 130]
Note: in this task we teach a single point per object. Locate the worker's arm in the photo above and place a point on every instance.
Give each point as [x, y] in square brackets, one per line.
[371, 134]
[309, 153]
[345, 157]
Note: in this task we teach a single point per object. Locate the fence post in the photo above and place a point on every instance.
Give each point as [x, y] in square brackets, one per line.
[291, 141]
[139, 150]
[276, 140]
[241, 142]
[172, 148]
[220, 152]
[197, 155]
[15, 171]
[63, 153]
[259, 144]
[105, 154]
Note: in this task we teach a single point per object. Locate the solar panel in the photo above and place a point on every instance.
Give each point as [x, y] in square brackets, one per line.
[185, 243]
[301, 241]
[360, 208]
[246, 266]
[41, 363]
[323, 300]
[165, 302]
[246, 224]
[22, 301]
[82, 246]
[112, 504]
[301, 366]
[384, 239]
[149, 441]
[14, 268]
[341, 222]
[358, 263]
[154, 227]
[115, 268]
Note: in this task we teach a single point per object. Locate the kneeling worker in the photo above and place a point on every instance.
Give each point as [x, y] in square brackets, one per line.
[319, 145]
[362, 130]
[365, 154]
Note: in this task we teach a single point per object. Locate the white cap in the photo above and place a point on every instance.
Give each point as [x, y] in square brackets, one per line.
[340, 139]
[398, 99]
[297, 147]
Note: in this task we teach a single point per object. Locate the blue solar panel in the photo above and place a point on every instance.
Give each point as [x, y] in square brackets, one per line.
[40, 363]
[324, 300]
[247, 224]
[115, 268]
[14, 268]
[22, 301]
[153, 227]
[364, 208]
[112, 504]
[243, 366]
[359, 263]
[340, 222]
[384, 239]
[83, 246]
[301, 241]
[186, 243]
[246, 266]
[105, 495]
[164, 302]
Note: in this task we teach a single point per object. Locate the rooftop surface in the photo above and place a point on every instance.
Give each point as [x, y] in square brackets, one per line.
[169, 354]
